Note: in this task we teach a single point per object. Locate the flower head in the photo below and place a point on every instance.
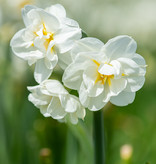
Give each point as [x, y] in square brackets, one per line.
[54, 101]
[48, 37]
[101, 73]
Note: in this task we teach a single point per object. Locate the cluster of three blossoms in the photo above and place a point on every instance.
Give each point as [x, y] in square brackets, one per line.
[100, 73]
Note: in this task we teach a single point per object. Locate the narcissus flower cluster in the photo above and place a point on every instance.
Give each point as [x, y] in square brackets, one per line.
[99, 72]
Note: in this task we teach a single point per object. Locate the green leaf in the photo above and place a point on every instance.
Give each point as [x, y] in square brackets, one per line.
[84, 35]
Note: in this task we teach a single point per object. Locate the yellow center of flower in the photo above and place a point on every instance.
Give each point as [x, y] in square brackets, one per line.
[103, 78]
[48, 39]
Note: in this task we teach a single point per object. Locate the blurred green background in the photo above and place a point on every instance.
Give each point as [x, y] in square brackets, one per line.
[26, 137]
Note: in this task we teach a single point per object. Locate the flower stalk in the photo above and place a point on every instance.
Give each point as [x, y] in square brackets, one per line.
[98, 134]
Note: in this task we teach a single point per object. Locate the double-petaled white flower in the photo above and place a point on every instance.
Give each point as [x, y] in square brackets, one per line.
[54, 101]
[48, 37]
[101, 73]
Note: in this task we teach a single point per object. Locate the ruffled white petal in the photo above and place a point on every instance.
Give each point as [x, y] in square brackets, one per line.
[51, 22]
[87, 44]
[92, 103]
[89, 78]
[65, 39]
[129, 67]
[117, 68]
[72, 76]
[39, 16]
[25, 11]
[135, 83]
[55, 87]
[64, 60]
[120, 46]
[23, 49]
[41, 71]
[37, 100]
[106, 69]
[117, 86]
[81, 112]
[55, 109]
[57, 10]
[70, 103]
[123, 98]
[141, 62]
[43, 110]
[70, 22]
[133, 73]
[138, 59]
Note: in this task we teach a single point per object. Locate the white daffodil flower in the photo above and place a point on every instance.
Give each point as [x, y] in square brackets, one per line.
[48, 37]
[101, 73]
[54, 101]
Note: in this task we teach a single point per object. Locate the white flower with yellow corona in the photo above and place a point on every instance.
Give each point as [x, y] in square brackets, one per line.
[54, 101]
[48, 37]
[101, 73]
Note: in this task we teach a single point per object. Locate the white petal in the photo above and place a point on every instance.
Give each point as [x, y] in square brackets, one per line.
[117, 67]
[23, 49]
[39, 44]
[38, 101]
[86, 45]
[128, 66]
[83, 95]
[66, 38]
[89, 77]
[25, 11]
[138, 59]
[70, 22]
[39, 16]
[17, 39]
[50, 64]
[106, 69]
[72, 76]
[51, 22]
[141, 62]
[70, 103]
[81, 112]
[41, 71]
[55, 87]
[31, 61]
[123, 98]
[106, 93]
[133, 73]
[64, 60]
[57, 10]
[43, 110]
[92, 103]
[117, 85]
[40, 91]
[33, 89]
[51, 50]
[55, 109]
[34, 17]
[120, 46]
[135, 83]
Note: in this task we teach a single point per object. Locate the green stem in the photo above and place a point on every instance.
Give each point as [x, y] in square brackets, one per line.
[98, 132]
